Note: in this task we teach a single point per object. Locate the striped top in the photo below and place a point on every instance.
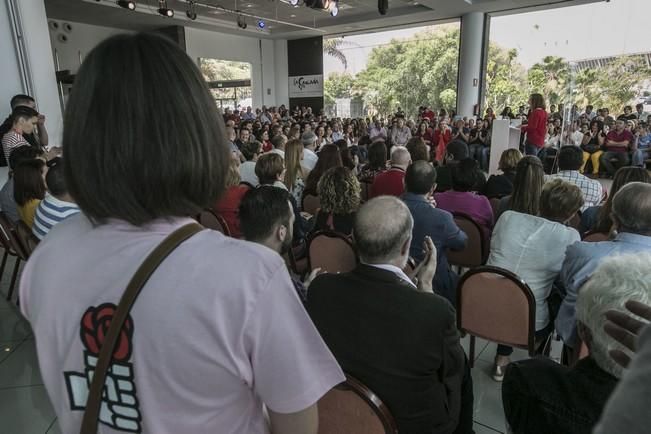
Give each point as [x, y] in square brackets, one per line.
[50, 212]
[11, 141]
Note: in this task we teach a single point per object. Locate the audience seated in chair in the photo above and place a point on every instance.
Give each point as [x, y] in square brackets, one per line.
[7, 201]
[251, 152]
[228, 205]
[377, 162]
[267, 218]
[456, 151]
[29, 188]
[329, 156]
[533, 247]
[58, 205]
[439, 225]
[541, 396]
[463, 199]
[570, 160]
[597, 218]
[339, 197]
[391, 182]
[631, 208]
[397, 338]
[502, 185]
[527, 188]
[618, 144]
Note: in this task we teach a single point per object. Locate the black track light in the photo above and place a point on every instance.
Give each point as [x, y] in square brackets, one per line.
[191, 13]
[241, 22]
[164, 10]
[127, 4]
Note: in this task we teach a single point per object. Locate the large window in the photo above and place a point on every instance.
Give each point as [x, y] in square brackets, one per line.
[229, 82]
[375, 74]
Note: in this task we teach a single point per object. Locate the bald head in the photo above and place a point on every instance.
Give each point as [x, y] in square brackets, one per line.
[400, 157]
[632, 208]
[382, 228]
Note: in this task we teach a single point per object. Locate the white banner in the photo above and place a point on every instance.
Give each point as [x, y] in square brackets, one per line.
[305, 86]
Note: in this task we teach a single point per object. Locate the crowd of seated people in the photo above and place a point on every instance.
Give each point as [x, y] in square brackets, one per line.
[265, 334]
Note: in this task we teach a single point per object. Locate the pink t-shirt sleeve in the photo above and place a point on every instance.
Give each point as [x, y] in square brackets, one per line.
[292, 366]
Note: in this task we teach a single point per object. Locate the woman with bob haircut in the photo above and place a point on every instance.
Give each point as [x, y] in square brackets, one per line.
[502, 185]
[145, 149]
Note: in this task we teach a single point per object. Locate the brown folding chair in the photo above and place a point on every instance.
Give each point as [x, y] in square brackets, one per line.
[26, 237]
[575, 221]
[495, 205]
[595, 237]
[13, 247]
[211, 220]
[351, 408]
[311, 204]
[496, 305]
[476, 251]
[331, 251]
[364, 188]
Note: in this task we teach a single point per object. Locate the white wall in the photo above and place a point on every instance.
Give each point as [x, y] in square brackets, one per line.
[80, 40]
[262, 54]
[282, 73]
[11, 83]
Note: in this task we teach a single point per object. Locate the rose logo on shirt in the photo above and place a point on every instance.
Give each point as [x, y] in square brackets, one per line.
[94, 327]
[119, 408]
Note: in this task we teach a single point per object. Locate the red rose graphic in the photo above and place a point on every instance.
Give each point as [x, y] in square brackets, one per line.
[94, 326]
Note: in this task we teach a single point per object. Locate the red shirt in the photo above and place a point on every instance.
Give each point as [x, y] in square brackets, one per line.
[388, 183]
[536, 127]
[614, 136]
[228, 208]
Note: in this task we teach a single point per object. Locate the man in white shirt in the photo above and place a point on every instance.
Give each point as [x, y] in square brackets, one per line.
[309, 146]
[336, 132]
[589, 113]
[400, 134]
[570, 160]
[641, 114]
[279, 143]
[251, 151]
[377, 131]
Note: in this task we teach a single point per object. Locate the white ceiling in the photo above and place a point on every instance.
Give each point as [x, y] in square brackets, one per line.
[285, 21]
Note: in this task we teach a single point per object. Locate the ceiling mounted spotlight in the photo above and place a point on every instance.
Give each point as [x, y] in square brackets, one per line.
[164, 10]
[241, 22]
[126, 4]
[334, 8]
[191, 13]
[294, 2]
[383, 6]
[328, 5]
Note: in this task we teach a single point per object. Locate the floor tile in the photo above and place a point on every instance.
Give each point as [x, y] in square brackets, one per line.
[21, 367]
[25, 410]
[481, 429]
[488, 397]
[7, 347]
[13, 326]
[54, 429]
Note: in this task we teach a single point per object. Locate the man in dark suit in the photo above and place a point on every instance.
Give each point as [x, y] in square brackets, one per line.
[438, 224]
[398, 338]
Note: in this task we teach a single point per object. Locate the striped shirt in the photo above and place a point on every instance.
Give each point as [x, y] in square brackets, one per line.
[50, 212]
[11, 141]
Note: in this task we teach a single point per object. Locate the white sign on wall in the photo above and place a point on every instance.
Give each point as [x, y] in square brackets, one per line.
[305, 86]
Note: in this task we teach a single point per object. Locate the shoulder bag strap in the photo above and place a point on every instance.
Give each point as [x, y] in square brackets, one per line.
[150, 264]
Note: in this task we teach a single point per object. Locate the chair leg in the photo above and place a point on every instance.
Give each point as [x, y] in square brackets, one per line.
[471, 356]
[13, 279]
[4, 263]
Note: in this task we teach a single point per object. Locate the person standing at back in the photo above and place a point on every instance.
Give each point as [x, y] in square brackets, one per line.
[218, 330]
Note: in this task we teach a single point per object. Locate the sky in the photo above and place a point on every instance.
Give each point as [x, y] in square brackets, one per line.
[575, 33]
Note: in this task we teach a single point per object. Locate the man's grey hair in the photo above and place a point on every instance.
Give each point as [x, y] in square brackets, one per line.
[617, 280]
[632, 208]
[308, 138]
[382, 226]
[400, 156]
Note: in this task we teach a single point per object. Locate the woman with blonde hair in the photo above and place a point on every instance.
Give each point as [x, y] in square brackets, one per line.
[295, 173]
[339, 197]
[502, 185]
[228, 205]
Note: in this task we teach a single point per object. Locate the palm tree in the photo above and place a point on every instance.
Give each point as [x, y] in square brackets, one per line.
[333, 47]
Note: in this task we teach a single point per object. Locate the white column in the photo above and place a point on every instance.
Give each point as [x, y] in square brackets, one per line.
[470, 62]
[40, 65]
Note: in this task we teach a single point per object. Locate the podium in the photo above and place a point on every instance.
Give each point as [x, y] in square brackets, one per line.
[505, 135]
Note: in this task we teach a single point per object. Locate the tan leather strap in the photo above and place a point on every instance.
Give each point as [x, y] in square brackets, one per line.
[150, 264]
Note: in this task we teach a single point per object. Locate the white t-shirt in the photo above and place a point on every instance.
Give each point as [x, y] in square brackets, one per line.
[309, 159]
[217, 331]
[247, 173]
[534, 249]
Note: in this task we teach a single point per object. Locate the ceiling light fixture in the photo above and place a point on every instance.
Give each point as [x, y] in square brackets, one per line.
[164, 10]
[294, 2]
[383, 6]
[126, 4]
[334, 8]
[241, 22]
[191, 13]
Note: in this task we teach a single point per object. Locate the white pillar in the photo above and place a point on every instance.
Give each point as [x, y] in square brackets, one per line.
[39, 65]
[470, 62]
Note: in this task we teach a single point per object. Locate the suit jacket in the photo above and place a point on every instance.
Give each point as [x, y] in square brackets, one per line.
[401, 343]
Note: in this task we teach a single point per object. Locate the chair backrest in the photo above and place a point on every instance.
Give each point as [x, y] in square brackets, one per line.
[26, 237]
[595, 237]
[210, 220]
[351, 408]
[497, 305]
[495, 205]
[364, 187]
[476, 252]
[10, 239]
[331, 251]
[575, 221]
[311, 204]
